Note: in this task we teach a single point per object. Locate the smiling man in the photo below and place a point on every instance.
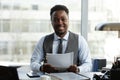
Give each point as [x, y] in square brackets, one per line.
[70, 42]
[60, 22]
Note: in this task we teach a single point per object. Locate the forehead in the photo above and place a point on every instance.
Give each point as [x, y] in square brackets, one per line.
[59, 13]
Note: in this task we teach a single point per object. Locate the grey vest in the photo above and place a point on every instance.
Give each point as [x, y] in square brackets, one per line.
[72, 45]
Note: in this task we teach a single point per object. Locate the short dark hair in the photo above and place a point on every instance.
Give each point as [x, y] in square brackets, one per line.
[59, 7]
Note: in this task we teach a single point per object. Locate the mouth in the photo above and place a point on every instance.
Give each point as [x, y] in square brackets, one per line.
[61, 28]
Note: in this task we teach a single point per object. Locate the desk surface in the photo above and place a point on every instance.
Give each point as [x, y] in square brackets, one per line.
[25, 69]
[22, 73]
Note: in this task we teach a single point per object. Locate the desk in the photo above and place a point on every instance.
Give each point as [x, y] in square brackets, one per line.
[90, 74]
[22, 73]
[25, 69]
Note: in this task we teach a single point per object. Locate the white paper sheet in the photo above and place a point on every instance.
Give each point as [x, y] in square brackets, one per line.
[60, 60]
[70, 76]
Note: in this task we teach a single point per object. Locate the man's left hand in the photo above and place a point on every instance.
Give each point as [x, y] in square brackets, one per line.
[73, 68]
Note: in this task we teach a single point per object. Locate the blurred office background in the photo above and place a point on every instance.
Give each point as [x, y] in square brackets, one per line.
[24, 22]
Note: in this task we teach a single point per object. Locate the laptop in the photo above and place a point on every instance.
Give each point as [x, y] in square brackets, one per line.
[8, 73]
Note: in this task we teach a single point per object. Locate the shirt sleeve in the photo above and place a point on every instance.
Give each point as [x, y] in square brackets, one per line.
[84, 56]
[37, 56]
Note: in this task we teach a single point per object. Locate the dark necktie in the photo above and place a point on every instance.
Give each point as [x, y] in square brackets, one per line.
[60, 46]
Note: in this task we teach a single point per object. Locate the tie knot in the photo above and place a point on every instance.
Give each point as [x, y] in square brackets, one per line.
[60, 40]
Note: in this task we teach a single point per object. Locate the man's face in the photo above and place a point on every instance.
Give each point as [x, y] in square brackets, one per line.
[60, 22]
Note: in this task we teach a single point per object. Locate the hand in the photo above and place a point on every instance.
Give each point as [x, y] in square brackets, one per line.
[73, 68]
[48, 68]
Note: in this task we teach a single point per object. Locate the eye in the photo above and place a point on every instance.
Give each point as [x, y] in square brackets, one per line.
[64, 19]
[55, 19]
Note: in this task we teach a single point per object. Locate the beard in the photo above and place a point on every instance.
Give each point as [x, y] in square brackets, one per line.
[60, 33]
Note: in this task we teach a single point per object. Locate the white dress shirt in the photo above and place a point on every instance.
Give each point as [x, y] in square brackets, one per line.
[84, 53]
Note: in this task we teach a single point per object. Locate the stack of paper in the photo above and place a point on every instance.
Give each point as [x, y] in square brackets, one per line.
[60, 60]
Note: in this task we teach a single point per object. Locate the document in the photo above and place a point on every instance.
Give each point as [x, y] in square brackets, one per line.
[69, 76]
[60, 60]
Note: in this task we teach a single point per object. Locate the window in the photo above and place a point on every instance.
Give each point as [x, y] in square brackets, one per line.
[16, 7]
[103, 43]
[6, 26]
[5, 7]
[3, 47]
[34, 7]
[23, 23]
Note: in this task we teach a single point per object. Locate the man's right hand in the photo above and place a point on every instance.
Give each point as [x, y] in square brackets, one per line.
[48, 68]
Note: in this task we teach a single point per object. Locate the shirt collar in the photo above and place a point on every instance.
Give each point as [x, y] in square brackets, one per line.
[64, 38]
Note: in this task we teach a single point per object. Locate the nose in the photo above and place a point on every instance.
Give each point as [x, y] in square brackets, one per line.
[60, 21]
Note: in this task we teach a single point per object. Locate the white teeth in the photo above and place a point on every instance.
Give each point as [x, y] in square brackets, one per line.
[61, 28]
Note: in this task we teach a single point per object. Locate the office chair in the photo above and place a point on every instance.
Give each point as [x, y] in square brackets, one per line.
[8, 73]
[98, 64]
